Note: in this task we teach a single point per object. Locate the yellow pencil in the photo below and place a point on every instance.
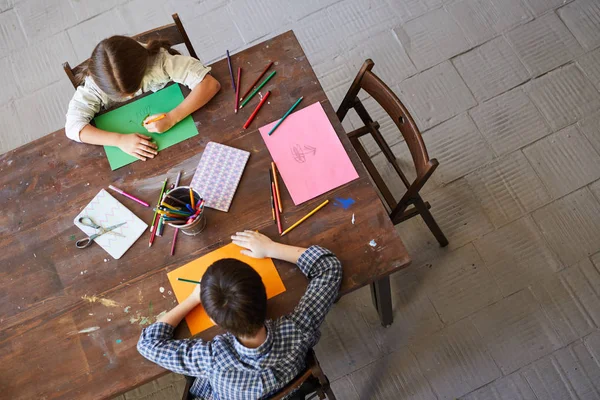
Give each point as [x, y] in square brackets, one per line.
[156, 119]
[305, 217]
[276, 186]
[169, 206]
[192, 199]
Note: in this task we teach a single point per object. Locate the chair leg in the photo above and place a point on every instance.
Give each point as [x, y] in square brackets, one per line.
[329, 393]
[430, 221]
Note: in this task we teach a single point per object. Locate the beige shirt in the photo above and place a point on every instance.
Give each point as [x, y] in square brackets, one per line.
[89, 99]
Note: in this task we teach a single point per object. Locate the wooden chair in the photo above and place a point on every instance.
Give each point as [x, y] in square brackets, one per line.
[174, 33]
[424, 166]
[311, 382]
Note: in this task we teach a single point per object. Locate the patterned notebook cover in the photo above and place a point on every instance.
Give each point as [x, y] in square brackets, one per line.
[218, 174]
[106, 211]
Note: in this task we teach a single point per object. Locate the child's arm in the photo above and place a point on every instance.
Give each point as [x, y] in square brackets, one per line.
[175, 316]
[322, 268]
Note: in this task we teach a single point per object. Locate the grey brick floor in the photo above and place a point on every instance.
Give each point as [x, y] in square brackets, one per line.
[507, 95]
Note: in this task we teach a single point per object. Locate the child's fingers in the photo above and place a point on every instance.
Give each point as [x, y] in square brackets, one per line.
[240, 239]
[148, 148]
[148, 143]
[248, 253]
[245, 234]
[146, 152]
[240, 243]
[136, 155]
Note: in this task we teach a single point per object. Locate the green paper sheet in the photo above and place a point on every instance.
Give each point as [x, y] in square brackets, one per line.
[128, 119]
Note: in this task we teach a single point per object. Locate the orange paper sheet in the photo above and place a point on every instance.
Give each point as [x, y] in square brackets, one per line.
[198, 320]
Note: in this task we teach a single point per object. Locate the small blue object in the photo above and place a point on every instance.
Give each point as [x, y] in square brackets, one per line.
[190, 208]
[118, 341]
[344, 203]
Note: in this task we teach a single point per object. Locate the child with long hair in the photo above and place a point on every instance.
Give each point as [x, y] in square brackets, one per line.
[119, 69]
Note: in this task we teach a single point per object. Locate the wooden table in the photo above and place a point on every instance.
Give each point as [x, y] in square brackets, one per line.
[56, 342]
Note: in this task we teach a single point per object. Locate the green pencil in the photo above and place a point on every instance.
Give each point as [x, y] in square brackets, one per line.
[162, 191]
[188, 280]
[257, 89]
[285, 115]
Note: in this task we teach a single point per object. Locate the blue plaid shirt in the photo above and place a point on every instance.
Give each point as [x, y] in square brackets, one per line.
[225, 369]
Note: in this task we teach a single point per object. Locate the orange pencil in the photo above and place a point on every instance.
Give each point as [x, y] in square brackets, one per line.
[276, 186]
[156, 119]
[272, 195]
[277, 216]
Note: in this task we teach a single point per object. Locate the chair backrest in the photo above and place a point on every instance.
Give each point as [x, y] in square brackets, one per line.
[380, 92]
[311, 379]
[174, 33]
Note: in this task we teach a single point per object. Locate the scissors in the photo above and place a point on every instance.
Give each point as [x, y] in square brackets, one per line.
[87, 221]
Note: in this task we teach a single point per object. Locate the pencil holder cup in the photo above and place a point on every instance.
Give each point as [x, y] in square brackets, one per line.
[180, 196]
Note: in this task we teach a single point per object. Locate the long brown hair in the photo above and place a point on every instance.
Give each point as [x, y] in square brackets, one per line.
[118, 64]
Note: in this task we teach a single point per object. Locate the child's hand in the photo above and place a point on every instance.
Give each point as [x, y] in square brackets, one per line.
[256, 244]
[139, 146]
[160, 126]
[195, 296]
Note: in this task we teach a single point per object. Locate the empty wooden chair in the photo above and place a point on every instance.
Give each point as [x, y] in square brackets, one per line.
[424, 166]
[174, 33]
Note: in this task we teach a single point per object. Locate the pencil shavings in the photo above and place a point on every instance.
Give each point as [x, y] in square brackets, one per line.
[103, 301]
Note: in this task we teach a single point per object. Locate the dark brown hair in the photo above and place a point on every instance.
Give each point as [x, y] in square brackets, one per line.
[234, 296]
[118, 64]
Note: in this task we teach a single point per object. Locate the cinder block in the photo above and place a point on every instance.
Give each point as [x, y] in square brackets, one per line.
[509, 121]
[300, 9]
[541, 6]
[44, 111]
[395, 376]
[565, 161]
[458, 284]
[358, 20]
[571, 226]
[590, 127]
[582, 17]
[455, 360]
[257, 18]
[12, 128]
[491, 69]
[435, 95]
[590, 65]
[516, 331]
[419, 241]
[564, 96]
[571, 372]
[411, 9]
[40, 65]
[571, 300]
[11, 34]
[8, 82]
[6, 4]
[344, 389]
[212, 34]
[191, 9]
[320, 39]
[508, 189]
[88, 34]
[483, 19]
[544, 44]
[392, 64]
[458, 146]
[88, 9]
[517, 256]
[144, 15]
[43, 18]
[511, 387]
[432, 38]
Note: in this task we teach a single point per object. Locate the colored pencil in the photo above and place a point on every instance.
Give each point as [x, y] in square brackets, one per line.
[191, 199]
[189, 281]
[237, 89]
[116, 189]
[272, 196]
[230, 70]
[305, 217]
[163, 204]
[161, 225]
[257, 79]
[277, 216]
[183, 203]
[162, 191]
[276, 186]
[156, 119]
[153, 230]
[286, 115]
[177, 179]
[174, 240]
[247, 99]
[264, 99]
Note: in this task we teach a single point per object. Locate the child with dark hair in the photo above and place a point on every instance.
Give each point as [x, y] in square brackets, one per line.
[257, 356]
[120, 68]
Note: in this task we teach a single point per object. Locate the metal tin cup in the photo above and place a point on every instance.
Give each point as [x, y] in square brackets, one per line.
[182, 193]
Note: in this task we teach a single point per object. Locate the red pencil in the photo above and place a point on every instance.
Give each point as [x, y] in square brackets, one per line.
[237, 89]
[257, 79]
[174, 240]
[154, 227]
[256, 109]
[276, 210]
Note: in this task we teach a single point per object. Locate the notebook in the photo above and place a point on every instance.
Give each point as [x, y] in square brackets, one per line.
[105, 210]
[218, 174]
[309, 154]
[128, 119]
[197, 320]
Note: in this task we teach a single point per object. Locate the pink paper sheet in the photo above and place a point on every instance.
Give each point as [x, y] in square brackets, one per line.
[308, 153]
